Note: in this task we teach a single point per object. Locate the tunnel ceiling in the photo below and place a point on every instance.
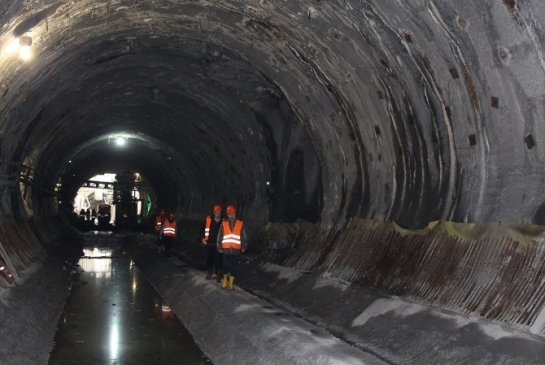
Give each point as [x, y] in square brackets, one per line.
[313, 110]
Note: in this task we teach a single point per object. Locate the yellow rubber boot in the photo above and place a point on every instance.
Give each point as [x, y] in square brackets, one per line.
[224, 282]
[159, 249]
[231, 282]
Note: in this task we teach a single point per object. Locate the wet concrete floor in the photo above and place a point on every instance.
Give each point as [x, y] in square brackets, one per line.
[114, 316]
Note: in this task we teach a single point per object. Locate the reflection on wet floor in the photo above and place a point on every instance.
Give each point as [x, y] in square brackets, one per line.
[114, 316]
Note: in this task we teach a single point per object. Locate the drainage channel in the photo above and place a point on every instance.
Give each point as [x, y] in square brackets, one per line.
[114, 316]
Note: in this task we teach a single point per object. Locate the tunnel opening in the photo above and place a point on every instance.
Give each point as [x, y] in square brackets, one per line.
[93, 201]
[123, 200]
[141, 181]
[295, 114]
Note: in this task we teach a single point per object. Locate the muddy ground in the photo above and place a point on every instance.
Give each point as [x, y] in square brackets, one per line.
[367, 327]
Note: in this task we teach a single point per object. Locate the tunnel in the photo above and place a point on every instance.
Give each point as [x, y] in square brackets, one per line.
[392, 148]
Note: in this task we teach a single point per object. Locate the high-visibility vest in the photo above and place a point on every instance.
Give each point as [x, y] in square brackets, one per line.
[159, 223]
[207, 227]
[231, 239]
[169, 230]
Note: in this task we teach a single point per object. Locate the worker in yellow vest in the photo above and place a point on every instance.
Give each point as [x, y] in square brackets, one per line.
[231, 243]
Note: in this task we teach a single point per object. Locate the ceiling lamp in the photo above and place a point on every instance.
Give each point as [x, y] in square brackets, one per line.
[25, 42]
[120, 141]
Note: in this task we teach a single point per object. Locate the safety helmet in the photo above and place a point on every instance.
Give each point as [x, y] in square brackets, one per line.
[161, 211]
[171, 215]
[231, 209]
[217, 209]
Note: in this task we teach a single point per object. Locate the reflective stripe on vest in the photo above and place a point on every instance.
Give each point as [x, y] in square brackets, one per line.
[231, 239]
[158, 223]
[207, 227]
[170, 229]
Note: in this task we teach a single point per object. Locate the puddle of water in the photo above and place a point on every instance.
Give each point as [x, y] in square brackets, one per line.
[114, 316]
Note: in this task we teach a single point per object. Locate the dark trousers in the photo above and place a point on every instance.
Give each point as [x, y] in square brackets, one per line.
[213, 258]
[168, 241]
[230, 264]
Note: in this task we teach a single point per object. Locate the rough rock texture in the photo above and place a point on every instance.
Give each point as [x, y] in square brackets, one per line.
[411, 111]
[295, 111]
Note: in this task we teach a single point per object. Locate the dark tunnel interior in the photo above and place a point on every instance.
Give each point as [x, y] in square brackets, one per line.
[318, 112]
[418, 115]
[227, 103]
[205, 123]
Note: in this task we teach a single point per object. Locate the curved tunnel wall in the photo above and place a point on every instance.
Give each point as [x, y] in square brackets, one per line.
[300, 111]
[413, 113]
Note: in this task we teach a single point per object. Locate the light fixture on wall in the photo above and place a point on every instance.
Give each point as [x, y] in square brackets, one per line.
[24, 52]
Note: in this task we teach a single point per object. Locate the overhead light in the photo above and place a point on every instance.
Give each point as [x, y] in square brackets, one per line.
[24, 52]
[12, 47]
[120, 141]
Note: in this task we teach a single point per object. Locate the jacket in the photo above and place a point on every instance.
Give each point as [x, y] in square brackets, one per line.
[211, 230]
[159, 222]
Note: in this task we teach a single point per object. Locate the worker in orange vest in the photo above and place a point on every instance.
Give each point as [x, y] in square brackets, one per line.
[232, 242]
[212, 226]
[169, 230]
[159, 221]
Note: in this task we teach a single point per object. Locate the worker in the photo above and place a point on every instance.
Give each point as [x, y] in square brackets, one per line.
[169, 230]
[212, 226]
[231, 242]
[159, 222]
